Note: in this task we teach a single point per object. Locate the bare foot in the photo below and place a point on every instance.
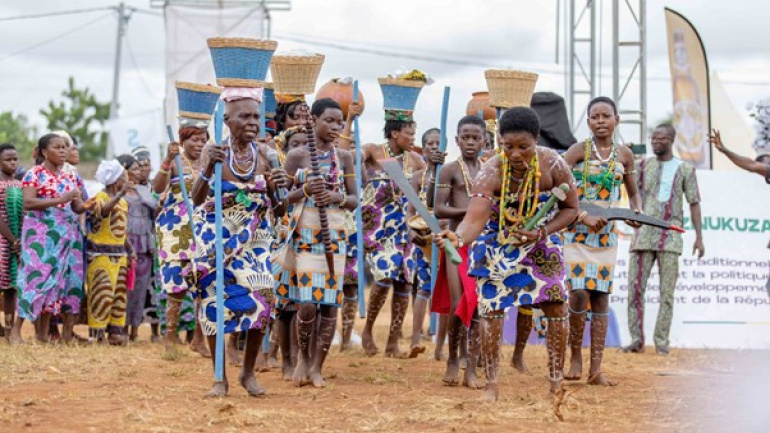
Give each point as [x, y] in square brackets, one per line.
[261, 365]
[367, 341]
[393, 351]
[317, 380]
[556, 385]
[632, 348]
[599, 378]
[219, 389]
[300, 376]
[438, 355]
[233, 355]
[490, 393]
[451, 377]
[15, 339]
[415, 351]
[172, 352]
[470, 380]
[272, 362]
[518, 363]
[288, 372]
[575, 369]
[250, 384]
[155, 339]
[200, 348]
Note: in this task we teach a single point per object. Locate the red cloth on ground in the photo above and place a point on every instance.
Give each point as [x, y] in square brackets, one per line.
[468, 301]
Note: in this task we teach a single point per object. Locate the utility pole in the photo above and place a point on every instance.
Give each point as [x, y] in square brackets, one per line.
[123, 18]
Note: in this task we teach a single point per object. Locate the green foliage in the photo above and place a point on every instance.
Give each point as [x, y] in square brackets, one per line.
[83, 117]
[15, 129]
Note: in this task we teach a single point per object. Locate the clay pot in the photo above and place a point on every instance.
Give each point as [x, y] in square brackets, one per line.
[480, 101]
[342, 93]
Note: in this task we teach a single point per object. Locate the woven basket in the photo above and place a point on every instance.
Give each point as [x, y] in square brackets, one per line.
[400, 94]
[268, 98]
[241, 62]
[296, 75]
[196, 101]
[509, 89]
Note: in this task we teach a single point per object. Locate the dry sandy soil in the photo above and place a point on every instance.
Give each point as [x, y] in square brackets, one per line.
[131, 389]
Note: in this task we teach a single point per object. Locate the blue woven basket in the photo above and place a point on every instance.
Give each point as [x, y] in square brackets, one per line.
[241, 62]
[400, 94]
[197, 101]
[268, 98]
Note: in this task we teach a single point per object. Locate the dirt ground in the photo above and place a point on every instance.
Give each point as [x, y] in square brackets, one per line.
[63, 389]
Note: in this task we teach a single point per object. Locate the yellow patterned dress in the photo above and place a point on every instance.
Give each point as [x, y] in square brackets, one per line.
[107, 264]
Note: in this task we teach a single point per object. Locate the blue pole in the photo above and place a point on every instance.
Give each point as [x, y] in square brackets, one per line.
[219, 362]
[262, 135]
[180, 176]
[434, 251]
[359, 220]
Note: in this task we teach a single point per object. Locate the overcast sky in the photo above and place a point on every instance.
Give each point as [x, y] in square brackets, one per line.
[38, 55]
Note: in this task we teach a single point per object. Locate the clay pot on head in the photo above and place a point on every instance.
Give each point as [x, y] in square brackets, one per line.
[341, 93]
[480, 101]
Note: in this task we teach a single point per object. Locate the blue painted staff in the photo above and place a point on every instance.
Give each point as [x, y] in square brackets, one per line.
[219, 361]
[359, 219]
[262, 135]
[434, 251]
[180, 176]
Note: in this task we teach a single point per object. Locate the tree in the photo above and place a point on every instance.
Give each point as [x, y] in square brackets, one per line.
[15, 129]
[83, 117]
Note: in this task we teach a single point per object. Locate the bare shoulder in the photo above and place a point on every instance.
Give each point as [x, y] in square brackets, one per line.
[575, 153]
[488, 179]
[346, 157]
[626, 155]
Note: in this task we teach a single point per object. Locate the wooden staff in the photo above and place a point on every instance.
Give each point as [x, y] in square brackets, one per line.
[219, 362]
[434, 251]
[315, 171]
[359, 216]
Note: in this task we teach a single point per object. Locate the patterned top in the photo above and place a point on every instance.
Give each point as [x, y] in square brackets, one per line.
[107, 235]
[600, 195]
[683, 183]
[51, 185]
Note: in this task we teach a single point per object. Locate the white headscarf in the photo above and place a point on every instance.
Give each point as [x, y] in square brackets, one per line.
[109, 172]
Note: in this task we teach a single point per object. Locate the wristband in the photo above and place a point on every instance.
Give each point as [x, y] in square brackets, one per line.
[460, 242]
[203, 176]
[304, 191]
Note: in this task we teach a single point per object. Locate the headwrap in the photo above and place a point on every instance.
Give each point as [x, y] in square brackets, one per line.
[288, 98]
[271, 126]
[109, 172]
[141, 152]
[65, 135]
[400, 115]
[189, 122]
[230, 94]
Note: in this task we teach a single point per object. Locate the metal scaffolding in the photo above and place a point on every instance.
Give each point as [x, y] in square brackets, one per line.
[267, 5]
[584, 63]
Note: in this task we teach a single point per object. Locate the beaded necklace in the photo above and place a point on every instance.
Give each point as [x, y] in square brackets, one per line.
[424, 188]
[404, 155]
[466, 177]
[606, 178]
[527, 195]
[242, 175]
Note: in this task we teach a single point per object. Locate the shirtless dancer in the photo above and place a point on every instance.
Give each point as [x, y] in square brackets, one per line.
[454, 193]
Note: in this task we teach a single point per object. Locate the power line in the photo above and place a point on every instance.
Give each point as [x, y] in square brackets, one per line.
[55, 38]
[53, 14]
[131, 56]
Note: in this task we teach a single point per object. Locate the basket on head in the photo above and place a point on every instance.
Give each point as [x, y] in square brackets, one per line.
[241, 62]
[197, 101]
[400, 94]
[296, 75]
[509, 89]
[268, 98]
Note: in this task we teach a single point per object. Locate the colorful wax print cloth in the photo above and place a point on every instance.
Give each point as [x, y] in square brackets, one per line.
[511, 276]
[247, 241]
[591, 256]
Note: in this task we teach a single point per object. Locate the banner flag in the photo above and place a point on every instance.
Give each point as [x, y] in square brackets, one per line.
[690, 86]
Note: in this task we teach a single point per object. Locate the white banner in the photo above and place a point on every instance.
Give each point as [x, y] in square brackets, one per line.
[128, 133]
[721, 301]
[187, 55]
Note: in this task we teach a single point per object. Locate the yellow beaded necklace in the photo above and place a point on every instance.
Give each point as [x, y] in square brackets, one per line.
[527, 194]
